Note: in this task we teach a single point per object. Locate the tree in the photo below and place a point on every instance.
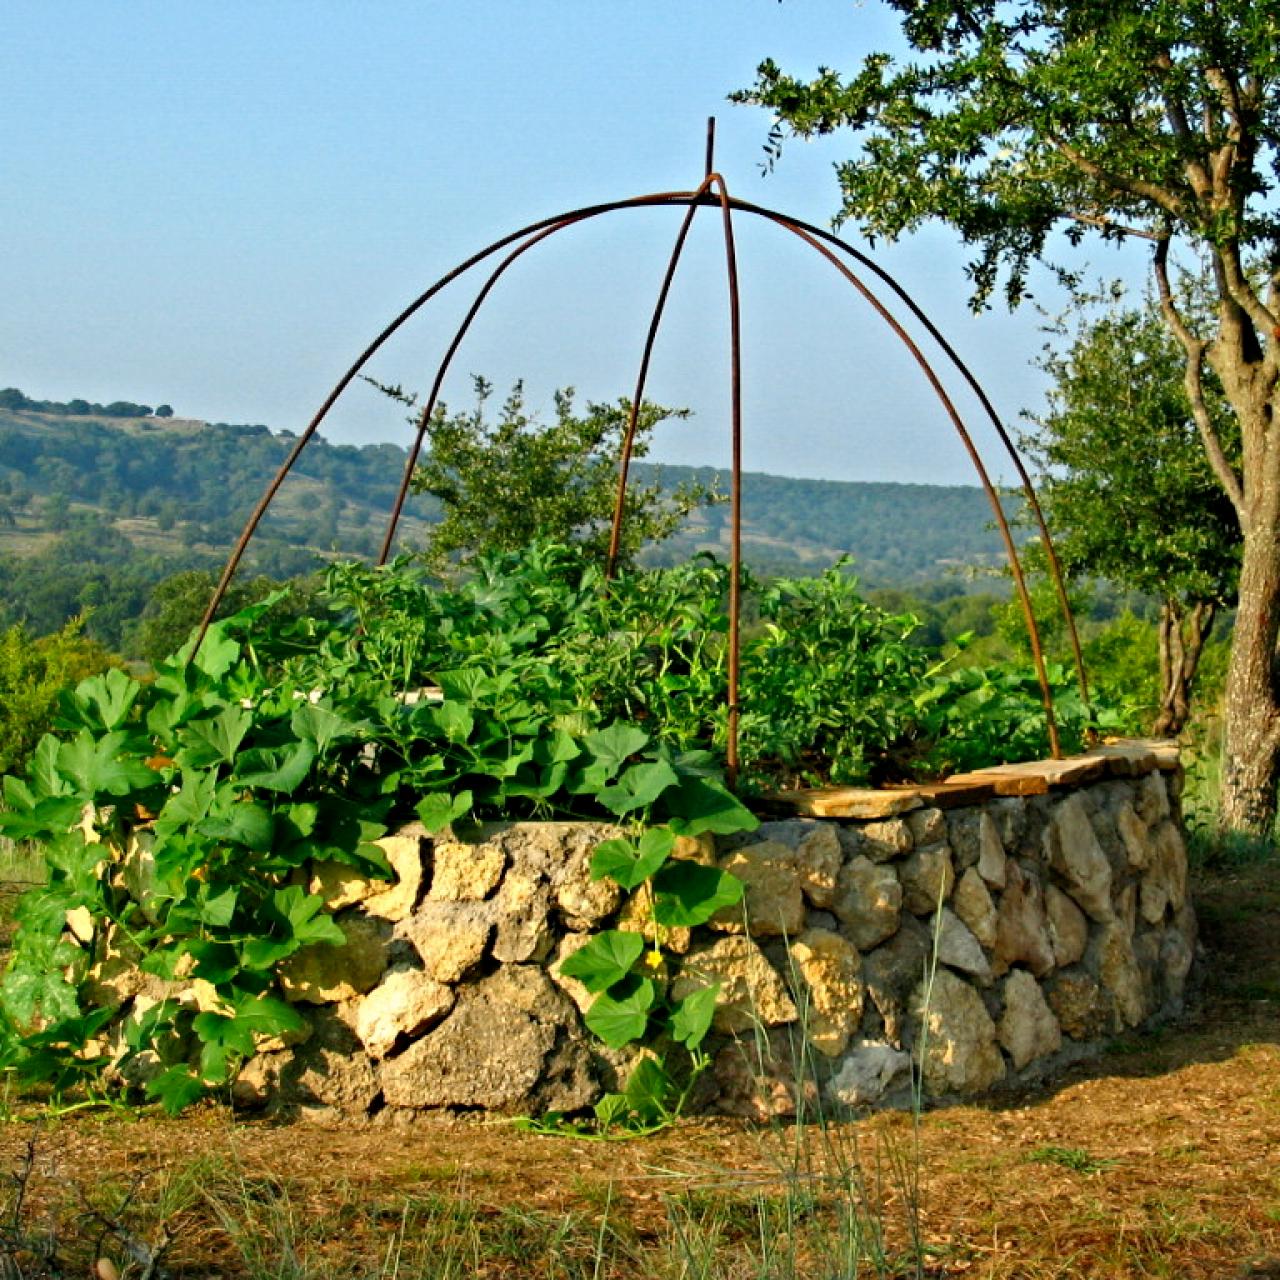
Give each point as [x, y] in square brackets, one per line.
[32, 672]
[1126, 485]
[502, 484]
[1029, 127]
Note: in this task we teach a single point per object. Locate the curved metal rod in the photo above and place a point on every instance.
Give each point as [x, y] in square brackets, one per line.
[255, 517]
[1006, 534]
[633, 416]
[735, 488]
[1028, 489]
[424, 418]
[727, 204]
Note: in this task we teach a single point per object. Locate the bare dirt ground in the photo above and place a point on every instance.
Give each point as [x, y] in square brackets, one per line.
[1160, 1158]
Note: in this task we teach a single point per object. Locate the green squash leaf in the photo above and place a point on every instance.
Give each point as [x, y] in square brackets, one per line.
[621, 1015]
[176, 1089]
[628, 865]
[638, 788]
[606, 959]
[691, 1017]
[612, 747]
[438, 811]
[688, 893]
[700, 805]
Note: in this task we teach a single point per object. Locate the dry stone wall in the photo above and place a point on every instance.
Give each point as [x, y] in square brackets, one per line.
[988, 936]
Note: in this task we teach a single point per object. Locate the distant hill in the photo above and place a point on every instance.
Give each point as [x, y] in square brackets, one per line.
[170, 483]
[99, 503]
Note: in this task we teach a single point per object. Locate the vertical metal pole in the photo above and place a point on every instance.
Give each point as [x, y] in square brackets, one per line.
[637, 398]
[735, 489]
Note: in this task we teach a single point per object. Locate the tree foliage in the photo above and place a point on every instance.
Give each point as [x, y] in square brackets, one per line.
[32, 674]
[1126, 484]
[502, 484]
[1130, 493]
[1029, 127]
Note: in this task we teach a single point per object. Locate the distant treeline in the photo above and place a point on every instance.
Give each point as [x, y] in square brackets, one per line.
[12, 398]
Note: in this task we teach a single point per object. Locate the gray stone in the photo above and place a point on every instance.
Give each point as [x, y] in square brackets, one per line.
[928, 878]
[760, 1078]
[575, 990]
[451, 938]
[403, 1005]
[341, 885]
[330, 1070]
[957, 947]
[1022, 931]
[991, 853]
[1068, 929]
[817, 848]
[1073, 851]
[828, 967]
[956, 1046]
[963, 834]
[1111, 959]
[773, 900]
[1164, 883]
[928, 826]
[1134, 835]
[818, 859]
[973, 904]
[1083, 1009]
[1177, 951]
[521, 916]
[868, 902]
[494, 1050]
[885, 840]
[1010, 816]
[324, 973]
[1152, 799]
[583, 903]
[1027, 1029]
[465, 871]
[866, 1072]
[892, 971]
[404, 851]
[751, 992]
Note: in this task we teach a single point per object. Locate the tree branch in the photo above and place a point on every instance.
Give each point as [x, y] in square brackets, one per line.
[1176, 113]
[1152, 191]
[1120, 228]
[1194, 382]
[1242, 293]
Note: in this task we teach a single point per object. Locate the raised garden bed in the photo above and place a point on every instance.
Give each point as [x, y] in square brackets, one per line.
[1064, 920]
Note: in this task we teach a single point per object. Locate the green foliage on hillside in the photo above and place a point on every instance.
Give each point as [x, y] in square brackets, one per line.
[118, 504]
[32, 673]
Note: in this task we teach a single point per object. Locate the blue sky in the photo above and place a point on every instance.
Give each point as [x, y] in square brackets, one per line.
[217, 205]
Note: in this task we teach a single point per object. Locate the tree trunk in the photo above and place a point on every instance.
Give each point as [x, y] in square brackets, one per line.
[1251, 749]
[1182, 640]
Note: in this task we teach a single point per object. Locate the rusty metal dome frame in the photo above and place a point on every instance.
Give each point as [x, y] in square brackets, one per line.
[712, 192]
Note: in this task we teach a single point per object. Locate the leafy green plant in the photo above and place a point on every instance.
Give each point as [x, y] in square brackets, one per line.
[1077, 1159]
[631, 979]
[179, 818]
